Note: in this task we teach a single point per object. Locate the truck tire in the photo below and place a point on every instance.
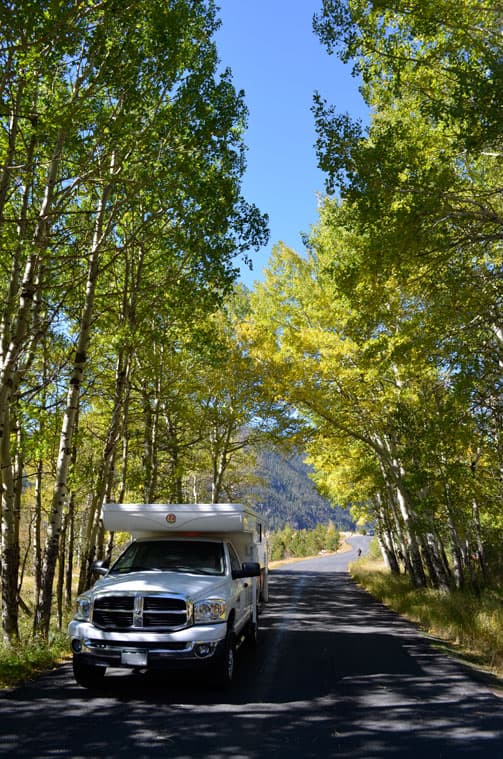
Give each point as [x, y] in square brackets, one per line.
[252, 632]
[226, 663]
[88, 675]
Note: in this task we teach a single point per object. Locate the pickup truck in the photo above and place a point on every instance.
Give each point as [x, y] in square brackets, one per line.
[185, 592]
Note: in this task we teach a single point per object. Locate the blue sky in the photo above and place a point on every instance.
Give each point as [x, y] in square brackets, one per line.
[279, 63]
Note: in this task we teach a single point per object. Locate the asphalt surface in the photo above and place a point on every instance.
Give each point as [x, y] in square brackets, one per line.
[335, 675]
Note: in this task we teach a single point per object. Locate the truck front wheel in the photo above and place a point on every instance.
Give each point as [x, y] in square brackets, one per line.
[252, 632]
[87, 675]
[226, 662]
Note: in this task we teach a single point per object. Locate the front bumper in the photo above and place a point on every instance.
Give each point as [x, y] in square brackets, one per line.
[193, 646]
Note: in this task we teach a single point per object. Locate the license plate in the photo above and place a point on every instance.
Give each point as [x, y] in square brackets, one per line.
[134, 658]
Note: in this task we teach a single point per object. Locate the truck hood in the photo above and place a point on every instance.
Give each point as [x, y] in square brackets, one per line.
[189, 586]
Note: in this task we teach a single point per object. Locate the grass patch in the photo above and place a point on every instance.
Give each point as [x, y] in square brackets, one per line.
[471, 625]
[22, 661]
[28, 657]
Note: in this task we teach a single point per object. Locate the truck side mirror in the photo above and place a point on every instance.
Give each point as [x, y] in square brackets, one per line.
[100, 566]
[248, 569]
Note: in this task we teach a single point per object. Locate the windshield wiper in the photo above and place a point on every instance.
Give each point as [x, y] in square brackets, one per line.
[127, 570]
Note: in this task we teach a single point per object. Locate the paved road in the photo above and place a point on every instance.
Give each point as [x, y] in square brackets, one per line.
[336, 675]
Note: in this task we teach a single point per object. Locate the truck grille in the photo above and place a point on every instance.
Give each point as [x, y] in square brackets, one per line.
[130, 612]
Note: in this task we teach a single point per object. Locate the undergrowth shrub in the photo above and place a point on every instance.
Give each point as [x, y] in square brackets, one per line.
[289, 543]
[21, 661]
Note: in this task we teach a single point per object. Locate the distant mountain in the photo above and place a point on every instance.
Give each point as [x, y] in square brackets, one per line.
[287, 495]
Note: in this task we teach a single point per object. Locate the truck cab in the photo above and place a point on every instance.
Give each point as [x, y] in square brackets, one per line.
[176, 596]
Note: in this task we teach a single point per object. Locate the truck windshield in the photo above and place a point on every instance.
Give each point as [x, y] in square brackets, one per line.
[194, 557]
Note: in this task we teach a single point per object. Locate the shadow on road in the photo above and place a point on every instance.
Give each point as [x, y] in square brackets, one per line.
[335, 674]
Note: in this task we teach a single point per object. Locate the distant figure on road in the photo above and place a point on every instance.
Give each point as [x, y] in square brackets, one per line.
[359, 552]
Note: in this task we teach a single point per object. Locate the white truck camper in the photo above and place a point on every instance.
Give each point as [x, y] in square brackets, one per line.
[185, 592]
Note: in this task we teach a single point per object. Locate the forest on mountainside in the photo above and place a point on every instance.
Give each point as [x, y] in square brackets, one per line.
[287, 495]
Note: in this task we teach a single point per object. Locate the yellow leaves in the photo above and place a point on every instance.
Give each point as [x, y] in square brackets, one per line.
[342, 470]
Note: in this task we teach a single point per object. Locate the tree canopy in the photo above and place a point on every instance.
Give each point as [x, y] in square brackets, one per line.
[386, 338]
[121, 217]
[130, 364]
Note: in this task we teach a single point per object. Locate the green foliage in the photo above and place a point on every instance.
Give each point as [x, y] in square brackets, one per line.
[289, 543]
[382, 342]
[374, 552]
[121, 217]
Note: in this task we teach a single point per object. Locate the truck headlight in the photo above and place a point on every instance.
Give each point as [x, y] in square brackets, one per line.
[210, 610]
[83, 611]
